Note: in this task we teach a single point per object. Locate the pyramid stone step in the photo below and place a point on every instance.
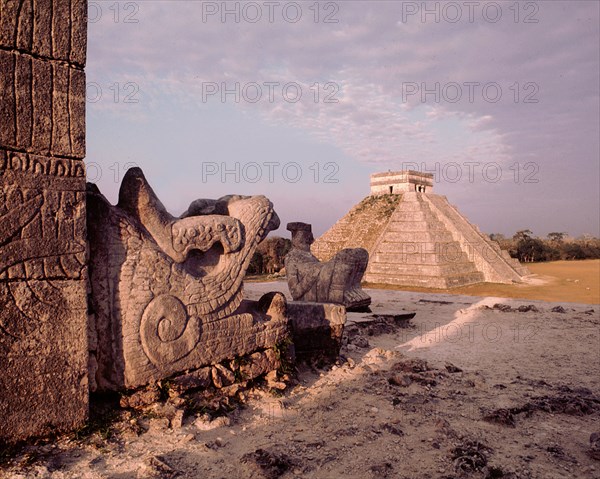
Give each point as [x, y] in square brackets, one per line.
[399, 269]
[406, 280]
[408, 257]
[514, 262]
[464, 279]
[496, 246]
[411, 206]
[450, 251]
[415, 226]
[487, 254]
[426, 236]
[425, 281]
[400, 215]
[361, 227]
[520, 268]
[506, 255]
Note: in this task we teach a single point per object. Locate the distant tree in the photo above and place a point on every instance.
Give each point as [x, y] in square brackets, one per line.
[523, 235]
[573, 251]
[556, 237]
[530, 250]
[269, 255]
[589, 245]
[525, 247]
[256, 264]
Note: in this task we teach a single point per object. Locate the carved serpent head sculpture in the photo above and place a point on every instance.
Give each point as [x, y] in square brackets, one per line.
[166, 291]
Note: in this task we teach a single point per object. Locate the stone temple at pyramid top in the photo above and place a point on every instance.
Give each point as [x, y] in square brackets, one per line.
[397, 182]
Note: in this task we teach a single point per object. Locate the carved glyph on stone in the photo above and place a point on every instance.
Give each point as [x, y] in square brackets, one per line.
[166, 291]
[43, 308]
[334, 281]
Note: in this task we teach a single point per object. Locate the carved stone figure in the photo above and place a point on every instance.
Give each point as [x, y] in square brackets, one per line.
[334, 281]
[166, 291]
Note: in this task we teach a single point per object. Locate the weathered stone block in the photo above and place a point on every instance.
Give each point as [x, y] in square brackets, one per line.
[43, 358]
[79, 18]
[259, 363]
[61, 116]
[42, 106]
[8, 21]
[221, 376]
[42, 27]
[52, 29]
[23, 93]
[199, 379]
[8, 132]
[317, 330]
[77, 112]
[25, 25]
[61, 29]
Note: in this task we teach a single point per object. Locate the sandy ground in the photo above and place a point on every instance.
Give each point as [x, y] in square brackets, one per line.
[465, 390]
[567, 281]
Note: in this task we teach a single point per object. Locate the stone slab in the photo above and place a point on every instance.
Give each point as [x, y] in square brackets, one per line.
[50, 29]
[43, 298]
[42, 106]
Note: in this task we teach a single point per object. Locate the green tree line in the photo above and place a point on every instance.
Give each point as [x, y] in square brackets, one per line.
[528, 248]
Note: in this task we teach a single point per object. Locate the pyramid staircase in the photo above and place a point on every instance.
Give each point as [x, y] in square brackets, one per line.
[497, 264]
[416, 249]
[424, 241]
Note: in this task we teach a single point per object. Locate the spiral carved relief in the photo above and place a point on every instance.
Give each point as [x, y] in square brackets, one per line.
[166, 331]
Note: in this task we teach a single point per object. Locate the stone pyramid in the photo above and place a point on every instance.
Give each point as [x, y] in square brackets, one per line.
[417, 238]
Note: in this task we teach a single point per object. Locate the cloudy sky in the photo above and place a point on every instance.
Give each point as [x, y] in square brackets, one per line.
[301, 101]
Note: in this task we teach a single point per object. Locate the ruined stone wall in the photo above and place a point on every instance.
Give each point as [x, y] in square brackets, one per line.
[43, 309]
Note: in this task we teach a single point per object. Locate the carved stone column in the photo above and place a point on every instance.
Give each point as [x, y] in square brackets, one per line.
[43, 310]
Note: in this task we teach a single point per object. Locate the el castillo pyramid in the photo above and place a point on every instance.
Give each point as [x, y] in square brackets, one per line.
[417, 238]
